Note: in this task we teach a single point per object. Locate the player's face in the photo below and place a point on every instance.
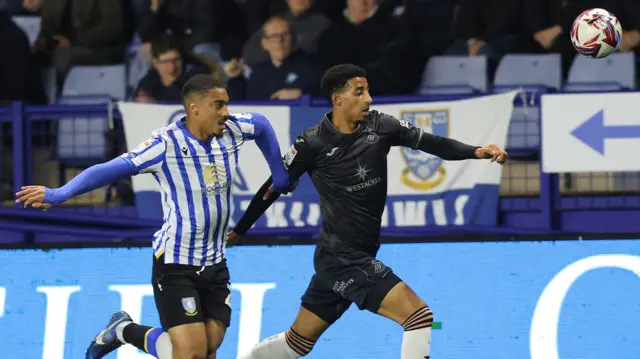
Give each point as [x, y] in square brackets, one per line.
[354, 101]
[215, 111]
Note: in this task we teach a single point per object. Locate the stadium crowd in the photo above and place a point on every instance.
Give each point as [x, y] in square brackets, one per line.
[277, 49]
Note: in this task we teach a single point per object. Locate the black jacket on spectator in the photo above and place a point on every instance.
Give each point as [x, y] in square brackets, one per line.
[19, 78]
[195, 22]
[489, 20]
[362, 44]
[298, 71]
[152, 84]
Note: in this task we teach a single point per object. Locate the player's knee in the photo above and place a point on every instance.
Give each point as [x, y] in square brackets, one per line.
[421, 318]
[400, 303]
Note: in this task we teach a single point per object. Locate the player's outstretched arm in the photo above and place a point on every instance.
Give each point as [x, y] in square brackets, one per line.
[147, 157]
[402, 133]
[453, 150]
[94, 177]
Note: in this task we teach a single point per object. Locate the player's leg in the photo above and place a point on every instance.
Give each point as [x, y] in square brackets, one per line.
[181, 313]
[213, 284]
[320, 308]
[216, 331]
[178, 305]
[402, 305]
[373, 286]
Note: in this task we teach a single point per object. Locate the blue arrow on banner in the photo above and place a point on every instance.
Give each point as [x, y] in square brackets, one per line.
[593, 132]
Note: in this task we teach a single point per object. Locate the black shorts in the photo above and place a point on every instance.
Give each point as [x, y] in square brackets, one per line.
[343, 278]
[188, 294]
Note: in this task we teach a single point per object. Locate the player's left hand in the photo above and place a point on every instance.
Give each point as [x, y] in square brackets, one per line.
[492, 152]
[34, 196]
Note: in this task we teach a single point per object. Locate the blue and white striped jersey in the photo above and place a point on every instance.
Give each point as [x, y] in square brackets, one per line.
[196, 180]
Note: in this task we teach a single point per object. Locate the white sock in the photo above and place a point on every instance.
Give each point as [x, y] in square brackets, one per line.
[416, 344]
[120, 330]
[274, 347]
[164, 348]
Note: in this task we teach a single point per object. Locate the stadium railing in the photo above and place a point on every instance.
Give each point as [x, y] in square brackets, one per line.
[531, 201]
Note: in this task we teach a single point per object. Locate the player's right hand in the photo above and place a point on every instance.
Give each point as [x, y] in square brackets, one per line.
[34, 196]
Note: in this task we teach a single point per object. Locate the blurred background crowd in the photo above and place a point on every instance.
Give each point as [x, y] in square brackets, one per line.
[274, 49]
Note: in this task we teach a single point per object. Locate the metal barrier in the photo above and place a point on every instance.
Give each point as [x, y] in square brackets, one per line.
[531, 201]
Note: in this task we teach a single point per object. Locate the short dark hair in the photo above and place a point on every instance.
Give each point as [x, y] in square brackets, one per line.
[163, 44]
[335, 79]
[200, 84]
[272, 19]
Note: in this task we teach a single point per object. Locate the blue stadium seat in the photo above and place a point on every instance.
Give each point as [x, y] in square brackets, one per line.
[81, 140]
[454, 75]
[96, 80]
[613, 73]
[30, 25]
[531, 72]
[523, 136]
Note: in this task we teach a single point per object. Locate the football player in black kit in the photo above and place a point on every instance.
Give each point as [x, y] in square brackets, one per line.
[346, 158]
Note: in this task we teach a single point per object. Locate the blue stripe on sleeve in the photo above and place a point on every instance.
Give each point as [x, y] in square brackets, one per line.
[159, 158]
[153, 144]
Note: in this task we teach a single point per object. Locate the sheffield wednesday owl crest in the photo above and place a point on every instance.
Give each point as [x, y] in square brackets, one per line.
[424, 171]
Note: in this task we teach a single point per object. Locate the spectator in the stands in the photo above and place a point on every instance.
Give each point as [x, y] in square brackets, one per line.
[360, 36]
[81, 32]
[371, 37]
[170, 71]
[214, 29]
[493, 28]
[550, 22]
[306, 27]
[285, 76]
[19, 80]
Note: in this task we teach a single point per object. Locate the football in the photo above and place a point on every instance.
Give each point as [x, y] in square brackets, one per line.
[596, 33]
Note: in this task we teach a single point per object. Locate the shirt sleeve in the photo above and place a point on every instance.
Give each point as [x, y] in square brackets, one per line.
[300, 157]
[149, 156]
[402, 133]
[251, 124]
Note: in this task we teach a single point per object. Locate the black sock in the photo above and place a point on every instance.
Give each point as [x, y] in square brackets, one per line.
[134, 334]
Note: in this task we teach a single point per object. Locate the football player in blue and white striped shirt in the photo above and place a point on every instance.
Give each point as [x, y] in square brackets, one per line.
[193, 161]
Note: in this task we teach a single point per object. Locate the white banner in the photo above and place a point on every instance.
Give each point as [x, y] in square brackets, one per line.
[478, 121]
[590, 132]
